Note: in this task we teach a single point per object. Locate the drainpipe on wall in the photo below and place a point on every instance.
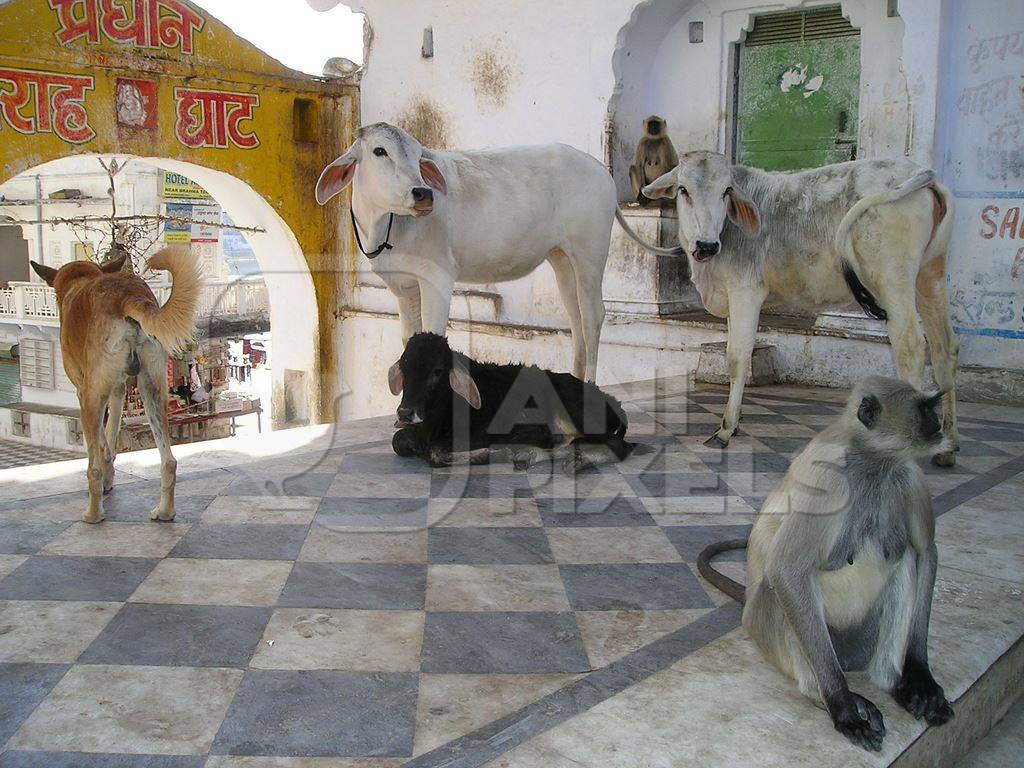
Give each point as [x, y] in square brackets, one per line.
[39, 218]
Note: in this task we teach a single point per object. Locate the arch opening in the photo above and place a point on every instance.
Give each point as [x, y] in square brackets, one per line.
[289, 283]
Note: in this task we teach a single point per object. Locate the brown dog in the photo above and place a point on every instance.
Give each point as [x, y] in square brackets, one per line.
[112, 327]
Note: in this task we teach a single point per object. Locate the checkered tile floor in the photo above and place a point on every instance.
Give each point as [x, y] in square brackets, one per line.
[15, 454]
[349, 603]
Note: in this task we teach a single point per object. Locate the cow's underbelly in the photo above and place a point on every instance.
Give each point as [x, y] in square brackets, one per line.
[499, 268]
[812, 282]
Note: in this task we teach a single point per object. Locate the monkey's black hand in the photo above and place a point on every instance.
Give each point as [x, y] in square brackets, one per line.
[919, 694]
[859, 720]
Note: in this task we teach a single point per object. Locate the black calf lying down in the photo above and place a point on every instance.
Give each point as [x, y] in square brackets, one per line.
[462, 408]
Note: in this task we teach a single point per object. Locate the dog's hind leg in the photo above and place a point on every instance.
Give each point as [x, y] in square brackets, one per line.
[92, 407]
[153, 387]
[115, 404]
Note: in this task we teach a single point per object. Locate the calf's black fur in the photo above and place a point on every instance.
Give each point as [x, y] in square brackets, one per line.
[464, 407]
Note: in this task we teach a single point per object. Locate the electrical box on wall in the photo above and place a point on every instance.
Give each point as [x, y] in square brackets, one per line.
[428, 43]
[696, 31]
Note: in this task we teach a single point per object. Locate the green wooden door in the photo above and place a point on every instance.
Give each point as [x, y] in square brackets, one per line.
[798, 91]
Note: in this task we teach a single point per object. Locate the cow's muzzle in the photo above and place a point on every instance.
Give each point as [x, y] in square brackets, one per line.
[705, 250]
[422, 200]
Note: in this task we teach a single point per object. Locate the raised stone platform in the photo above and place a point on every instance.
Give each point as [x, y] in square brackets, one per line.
[320, 602]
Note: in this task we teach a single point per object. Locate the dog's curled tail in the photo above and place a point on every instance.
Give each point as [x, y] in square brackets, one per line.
[173, 324]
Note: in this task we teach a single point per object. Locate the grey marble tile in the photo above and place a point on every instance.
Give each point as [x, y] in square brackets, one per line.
[25, 537]
[320, 713]
[483, 546]
[629, 586]
[23, 686]
[245, 541]
[44, 577]
[519, 642]
[369, 586]
[179, 635]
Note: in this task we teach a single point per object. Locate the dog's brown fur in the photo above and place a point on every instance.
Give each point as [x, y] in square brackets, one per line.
[112, 327]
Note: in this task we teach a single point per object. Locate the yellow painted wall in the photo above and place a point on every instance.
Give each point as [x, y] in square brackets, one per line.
[282, 167]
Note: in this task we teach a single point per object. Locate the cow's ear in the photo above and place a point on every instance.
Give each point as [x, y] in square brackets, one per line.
[47, 273]
[396, 380]
[112, 266]
[336, 176]
[665, 186]
[462, 383]
[432, 175]
[743, 211]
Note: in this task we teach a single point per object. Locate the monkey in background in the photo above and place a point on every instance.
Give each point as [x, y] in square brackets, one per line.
[841, 561]
[654, 157]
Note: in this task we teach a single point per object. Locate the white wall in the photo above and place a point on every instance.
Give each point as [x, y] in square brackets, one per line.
[982, 134]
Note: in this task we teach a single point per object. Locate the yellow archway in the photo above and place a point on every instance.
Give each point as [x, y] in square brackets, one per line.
[163, 81]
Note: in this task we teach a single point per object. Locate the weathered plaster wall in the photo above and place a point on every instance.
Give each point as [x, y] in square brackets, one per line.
[588, 77]
[982, 139]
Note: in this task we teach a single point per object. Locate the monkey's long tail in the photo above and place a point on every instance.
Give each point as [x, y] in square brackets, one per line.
[733, 589]
[677, 251]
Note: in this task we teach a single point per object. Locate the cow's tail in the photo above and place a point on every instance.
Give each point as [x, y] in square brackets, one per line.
[844, 243]
[676, 251]
[173, 323]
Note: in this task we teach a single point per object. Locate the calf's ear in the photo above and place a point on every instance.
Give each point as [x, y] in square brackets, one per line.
[432, 175]
[665, 186]
[463, 384]
[396, 381]
[742, 212]
[336, 176]
[47, 273]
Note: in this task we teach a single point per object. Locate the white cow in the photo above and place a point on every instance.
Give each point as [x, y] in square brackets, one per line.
[429, 218]
[872, 230]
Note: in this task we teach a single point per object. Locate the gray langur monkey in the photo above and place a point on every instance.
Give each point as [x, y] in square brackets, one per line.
[654, 157]
[841, 561]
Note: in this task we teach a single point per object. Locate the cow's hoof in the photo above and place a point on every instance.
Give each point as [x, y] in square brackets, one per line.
[162, 515]
[93, 517]
[945, 459]
[717, 441]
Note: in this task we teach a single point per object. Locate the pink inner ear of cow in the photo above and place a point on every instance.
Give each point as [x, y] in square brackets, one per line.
[334, 179]
[463, 385]
[743, 213]
[432, 175]
[396, 381]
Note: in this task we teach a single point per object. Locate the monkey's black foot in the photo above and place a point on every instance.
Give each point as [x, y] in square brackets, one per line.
[944, 459]
[919, 694]
[860, 721]
[717, 441]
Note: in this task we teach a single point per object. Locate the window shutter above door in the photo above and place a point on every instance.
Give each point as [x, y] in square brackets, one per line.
[797, 27]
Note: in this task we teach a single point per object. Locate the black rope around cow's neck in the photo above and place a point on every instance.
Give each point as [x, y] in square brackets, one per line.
[385, 246]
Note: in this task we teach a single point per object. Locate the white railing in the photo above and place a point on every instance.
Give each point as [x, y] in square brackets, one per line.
[34, 303]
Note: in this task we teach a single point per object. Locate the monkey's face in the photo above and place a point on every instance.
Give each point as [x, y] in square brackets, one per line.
[654, 127]
[898, 416]
[705, 194]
